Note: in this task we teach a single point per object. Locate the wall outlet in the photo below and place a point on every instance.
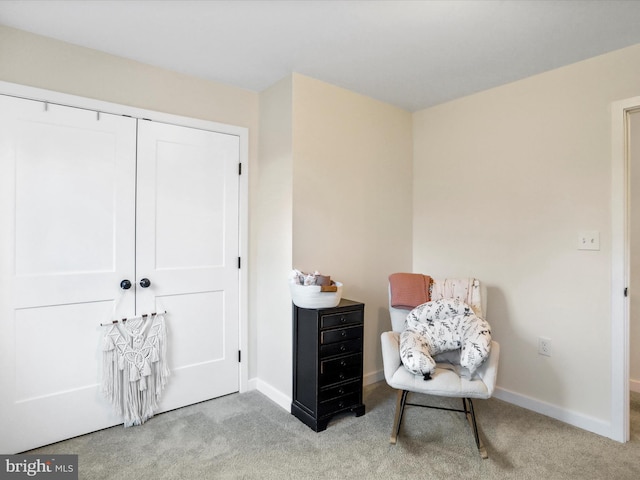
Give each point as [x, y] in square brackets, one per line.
[544, 346]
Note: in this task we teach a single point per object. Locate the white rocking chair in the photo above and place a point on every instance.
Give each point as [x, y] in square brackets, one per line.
[445, 382]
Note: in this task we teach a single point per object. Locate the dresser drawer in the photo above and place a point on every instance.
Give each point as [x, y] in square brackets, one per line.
[350, 346]
[338, 404]
[340, 334]
[339, 391]
[340, 319]
[340, 369]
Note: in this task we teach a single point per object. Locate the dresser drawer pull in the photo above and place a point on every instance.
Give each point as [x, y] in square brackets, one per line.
[340, 334]
[341, 405]
[341, 391]
[341, 376]
[343, 363]
[343, 348]
[343, 319]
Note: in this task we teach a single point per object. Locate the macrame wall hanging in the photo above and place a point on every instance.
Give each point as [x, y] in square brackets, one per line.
[135, 368]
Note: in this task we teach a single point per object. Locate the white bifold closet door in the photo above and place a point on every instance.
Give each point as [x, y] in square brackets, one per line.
[86, 201]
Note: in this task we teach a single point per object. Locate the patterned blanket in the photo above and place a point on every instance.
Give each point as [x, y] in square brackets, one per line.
[441, 326]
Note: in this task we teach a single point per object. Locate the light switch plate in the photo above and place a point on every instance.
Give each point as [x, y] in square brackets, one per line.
[589, 240]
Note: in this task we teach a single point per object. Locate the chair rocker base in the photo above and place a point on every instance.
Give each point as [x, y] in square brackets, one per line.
[467, 409]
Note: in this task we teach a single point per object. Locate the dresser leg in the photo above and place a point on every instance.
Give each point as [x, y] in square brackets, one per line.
[322, 425]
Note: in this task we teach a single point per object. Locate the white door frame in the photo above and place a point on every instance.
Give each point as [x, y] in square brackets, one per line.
[49, 96]
[620, 267]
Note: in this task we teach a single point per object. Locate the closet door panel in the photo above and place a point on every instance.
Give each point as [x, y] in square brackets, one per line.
[67, 196]
[38, 337]
[71, 200]
[197, 349]
[187, 246]
[190, 202]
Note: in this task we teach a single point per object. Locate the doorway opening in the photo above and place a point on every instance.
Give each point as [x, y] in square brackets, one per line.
[621, 266]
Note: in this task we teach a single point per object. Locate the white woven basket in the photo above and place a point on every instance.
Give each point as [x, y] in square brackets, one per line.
[310, 296]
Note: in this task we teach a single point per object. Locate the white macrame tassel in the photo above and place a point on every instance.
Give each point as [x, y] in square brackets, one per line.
[133, 379]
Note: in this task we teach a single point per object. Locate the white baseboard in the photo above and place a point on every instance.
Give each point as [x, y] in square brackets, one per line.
[579, 420]
[274, 394]
[634, 385]
[373, 377]
[252, 384]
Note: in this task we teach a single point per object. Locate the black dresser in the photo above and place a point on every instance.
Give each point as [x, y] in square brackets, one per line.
[327, 362]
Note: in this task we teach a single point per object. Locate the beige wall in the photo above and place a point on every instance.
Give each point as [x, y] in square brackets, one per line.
[503, 182]
[41, 62]
[273, 235]
[352, 197]
[335, 196]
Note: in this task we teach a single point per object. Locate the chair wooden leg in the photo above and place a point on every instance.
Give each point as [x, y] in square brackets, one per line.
[400, 402]
[471, 418]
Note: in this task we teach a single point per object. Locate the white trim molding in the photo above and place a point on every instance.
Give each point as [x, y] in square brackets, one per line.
[620, 267]
[274, 394]
[373, 377]
[579, 420]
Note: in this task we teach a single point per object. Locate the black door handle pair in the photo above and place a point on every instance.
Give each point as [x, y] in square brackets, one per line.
[126, 284]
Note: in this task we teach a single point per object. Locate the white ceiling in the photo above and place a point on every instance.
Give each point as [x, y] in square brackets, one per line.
[413, 54]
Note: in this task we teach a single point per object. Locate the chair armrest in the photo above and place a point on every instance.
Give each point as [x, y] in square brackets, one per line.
[390, 353]
[488, 371]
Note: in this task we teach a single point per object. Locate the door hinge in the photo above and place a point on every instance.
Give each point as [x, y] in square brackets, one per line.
[239, 169]
[626, 291]
[239, 356]
[239, 262]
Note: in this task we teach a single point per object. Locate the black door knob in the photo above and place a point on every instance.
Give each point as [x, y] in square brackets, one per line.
[125, 284]
[145, 282]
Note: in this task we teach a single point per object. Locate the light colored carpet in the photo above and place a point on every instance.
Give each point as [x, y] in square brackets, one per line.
[246, 436]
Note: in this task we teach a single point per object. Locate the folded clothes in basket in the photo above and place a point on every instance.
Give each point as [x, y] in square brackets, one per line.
[315, 278]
